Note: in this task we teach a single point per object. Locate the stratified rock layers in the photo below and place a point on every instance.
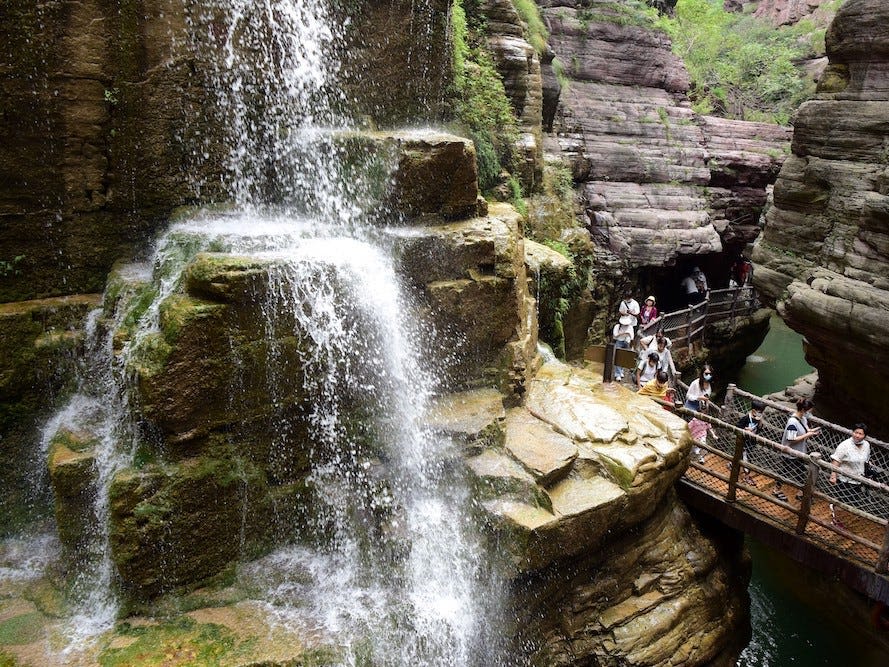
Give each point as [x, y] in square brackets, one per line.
[643, 158]
[607, 566]
[824, 254]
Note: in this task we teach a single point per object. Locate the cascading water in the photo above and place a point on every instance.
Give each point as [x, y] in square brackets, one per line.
[394, 582]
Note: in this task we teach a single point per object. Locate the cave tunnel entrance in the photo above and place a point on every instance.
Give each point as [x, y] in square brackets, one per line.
[665, 282]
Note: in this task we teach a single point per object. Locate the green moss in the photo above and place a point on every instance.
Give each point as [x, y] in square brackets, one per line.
[182, 641]
[535, 30]
[7, 660]
[479, 99]
[23, 629]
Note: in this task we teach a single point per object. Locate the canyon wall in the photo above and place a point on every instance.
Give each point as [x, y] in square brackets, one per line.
[824, 253]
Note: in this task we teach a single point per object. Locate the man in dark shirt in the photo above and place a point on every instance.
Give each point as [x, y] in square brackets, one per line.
[750, 423]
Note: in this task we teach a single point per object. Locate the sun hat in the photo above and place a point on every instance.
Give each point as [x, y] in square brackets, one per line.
[650, 298]
[627, 320]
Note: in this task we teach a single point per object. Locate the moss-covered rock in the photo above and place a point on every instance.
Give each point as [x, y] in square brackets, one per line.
[176, 525]
[74, 477]
[38, 345]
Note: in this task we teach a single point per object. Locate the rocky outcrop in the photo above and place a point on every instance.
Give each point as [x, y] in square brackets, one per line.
[781, 12]
[660, 186]
[110, 121]
[217, 378]
[519, 66]
[576, 484]
[642, 158]
[39, 344]
[744, 160]
[823, 255]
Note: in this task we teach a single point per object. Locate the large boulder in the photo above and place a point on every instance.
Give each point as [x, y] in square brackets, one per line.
[576, 487]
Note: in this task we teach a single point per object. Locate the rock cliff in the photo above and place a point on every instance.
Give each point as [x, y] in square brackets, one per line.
[660, 186]
[782, 12]
[606, 565]
[823, 254]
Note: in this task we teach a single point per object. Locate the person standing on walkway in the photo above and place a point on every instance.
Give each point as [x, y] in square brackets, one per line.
[850, 456]
[623, 334]
[649, 311]
[629, 306]
[750, 423]
[698, 394]
[796, 435]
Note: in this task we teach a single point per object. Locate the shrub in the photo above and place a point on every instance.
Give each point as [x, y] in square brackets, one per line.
[741, 67]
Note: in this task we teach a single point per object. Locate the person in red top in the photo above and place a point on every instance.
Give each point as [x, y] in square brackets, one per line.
[649, 311]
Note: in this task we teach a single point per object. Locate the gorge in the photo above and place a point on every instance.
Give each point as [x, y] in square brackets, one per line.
[271, 385]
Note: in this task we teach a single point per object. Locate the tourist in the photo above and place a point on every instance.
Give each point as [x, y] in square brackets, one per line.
[659, 387]
[665, 357]
[650, 343]
[629, 306]
[647, 370]
[694, 286]
[649, 311]
[850, 456]
[699, 391]
[623, 334]
[796, 435]
[700, 282]
[699, 429]
[741, 272]
[750, 423]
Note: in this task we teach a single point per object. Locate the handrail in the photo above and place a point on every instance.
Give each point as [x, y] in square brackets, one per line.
[809, 520]
[683, 324]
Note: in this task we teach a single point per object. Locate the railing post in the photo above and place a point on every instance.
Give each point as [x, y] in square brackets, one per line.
[689, 320]
[734, 304]
[731, 494]
[729, 395]
[806, 505]
[883, 556]
[608, 373]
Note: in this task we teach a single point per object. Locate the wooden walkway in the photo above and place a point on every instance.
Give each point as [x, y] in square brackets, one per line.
[812, 526]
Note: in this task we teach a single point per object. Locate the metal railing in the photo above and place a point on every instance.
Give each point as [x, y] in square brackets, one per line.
[745, 468]
[685, 327]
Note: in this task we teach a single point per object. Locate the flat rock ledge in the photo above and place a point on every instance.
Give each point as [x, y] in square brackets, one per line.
[606, 565]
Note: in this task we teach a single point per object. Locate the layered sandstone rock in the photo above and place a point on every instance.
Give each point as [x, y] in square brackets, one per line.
[824, 255]
[520, 67]
[576, 484]
[642, 158]
[110, 121]
[215, 380]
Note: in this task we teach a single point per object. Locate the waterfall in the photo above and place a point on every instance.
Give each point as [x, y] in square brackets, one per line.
[396, 580]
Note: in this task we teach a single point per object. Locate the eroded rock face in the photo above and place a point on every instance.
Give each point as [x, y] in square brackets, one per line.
[607, 565]
[823, 255]
[658, 183]
[110, 121]
[520, 67]
[39, 344]
[225, 388]
[781, 12]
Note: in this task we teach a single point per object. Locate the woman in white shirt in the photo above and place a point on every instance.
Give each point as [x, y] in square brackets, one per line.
[699, 390]
[850, 456]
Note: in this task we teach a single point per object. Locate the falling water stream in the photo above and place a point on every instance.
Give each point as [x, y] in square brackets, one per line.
[403, 596]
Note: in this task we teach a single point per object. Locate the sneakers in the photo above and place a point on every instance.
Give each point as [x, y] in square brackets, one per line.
[780, 496]
[749, 481]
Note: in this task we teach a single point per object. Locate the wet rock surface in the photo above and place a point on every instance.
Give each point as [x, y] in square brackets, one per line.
[823, 254]
[607, 565]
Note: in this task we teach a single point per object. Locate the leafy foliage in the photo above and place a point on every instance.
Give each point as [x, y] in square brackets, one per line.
[480, 101]
[742, 67]
[537, 33]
